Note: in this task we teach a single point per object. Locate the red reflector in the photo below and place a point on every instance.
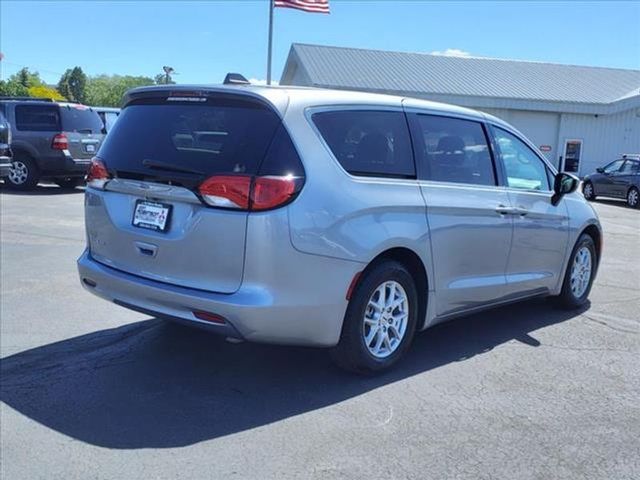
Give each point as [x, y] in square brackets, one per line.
[352, 285]
[269, 192]
[209, 317]
[97, 175]
[231, 191]
[60, 142]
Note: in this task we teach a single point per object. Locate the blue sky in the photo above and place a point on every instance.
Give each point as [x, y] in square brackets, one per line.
[203, 40]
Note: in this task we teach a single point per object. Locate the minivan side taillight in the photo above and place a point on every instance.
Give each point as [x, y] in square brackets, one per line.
[60, 142]
[244, 192]
[97, 176]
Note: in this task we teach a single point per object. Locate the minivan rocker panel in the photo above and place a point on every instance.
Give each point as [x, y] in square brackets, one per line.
[288, 215]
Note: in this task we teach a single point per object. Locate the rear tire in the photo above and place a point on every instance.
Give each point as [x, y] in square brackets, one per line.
[381, 319]
[581, 271]
[633, 198]
[69, 183]
[588, 191]
[24, 174]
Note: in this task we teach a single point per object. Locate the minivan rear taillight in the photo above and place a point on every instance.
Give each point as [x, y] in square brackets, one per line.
[60, 142]
[244, 192]
[97, 175]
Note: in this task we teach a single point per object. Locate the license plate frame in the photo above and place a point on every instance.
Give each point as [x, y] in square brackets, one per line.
[160, 224]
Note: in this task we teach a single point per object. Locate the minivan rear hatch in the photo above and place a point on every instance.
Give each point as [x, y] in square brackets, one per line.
[151, 220]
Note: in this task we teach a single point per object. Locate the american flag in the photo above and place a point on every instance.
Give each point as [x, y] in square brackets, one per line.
[316, 6]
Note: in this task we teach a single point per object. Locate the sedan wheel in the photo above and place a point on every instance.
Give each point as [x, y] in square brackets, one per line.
[633, 198]
[587, 191]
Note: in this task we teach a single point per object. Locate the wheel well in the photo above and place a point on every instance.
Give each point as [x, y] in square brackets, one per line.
[596, 236]
[416, 268]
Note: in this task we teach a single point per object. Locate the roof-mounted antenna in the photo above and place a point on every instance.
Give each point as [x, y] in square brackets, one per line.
[235, 79]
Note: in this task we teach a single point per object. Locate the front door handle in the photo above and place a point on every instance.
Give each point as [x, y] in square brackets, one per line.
[504, 210]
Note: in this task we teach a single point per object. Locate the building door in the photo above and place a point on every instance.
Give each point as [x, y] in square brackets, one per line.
[572, 154]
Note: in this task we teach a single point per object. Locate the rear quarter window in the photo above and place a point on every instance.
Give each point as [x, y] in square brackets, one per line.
[368, 142]
[37, 118]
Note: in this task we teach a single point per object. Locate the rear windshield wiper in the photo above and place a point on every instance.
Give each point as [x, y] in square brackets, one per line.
[169, 167]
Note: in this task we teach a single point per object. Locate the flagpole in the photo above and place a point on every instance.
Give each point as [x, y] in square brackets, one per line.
[270, 42]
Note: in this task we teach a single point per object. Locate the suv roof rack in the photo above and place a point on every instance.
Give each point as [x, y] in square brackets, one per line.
[235, 79]
[634, 156]
[26, 99]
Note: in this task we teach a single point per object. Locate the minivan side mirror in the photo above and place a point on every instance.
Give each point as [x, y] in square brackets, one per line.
[563, 184]
[600, 170]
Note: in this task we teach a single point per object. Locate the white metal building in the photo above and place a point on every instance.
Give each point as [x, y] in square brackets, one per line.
[580, 117]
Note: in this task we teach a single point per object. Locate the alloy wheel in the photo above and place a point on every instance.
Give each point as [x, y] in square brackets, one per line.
[386, 319]
[581, 271]
[19, 172]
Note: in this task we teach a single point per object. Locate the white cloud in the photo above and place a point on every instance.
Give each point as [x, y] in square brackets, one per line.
[451, 52]
[257, 81]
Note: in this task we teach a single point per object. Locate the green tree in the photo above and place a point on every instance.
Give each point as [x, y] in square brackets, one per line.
[73, 84]
[107, 90]
[26, 78]
[12, 88]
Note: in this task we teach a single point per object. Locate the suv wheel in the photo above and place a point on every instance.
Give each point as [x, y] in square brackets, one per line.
[380, 321]
[633, 198]
[580, 273]
[587, 191]
[23, 175]
[69, 183]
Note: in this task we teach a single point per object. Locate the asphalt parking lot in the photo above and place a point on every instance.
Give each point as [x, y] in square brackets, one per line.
[90, 390]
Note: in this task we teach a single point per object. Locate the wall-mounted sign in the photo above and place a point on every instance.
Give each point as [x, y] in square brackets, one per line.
[545, 148]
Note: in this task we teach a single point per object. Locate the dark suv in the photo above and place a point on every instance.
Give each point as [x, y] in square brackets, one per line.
[5, 146]
[51, 140]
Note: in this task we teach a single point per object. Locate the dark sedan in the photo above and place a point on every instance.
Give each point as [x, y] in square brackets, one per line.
[619, 179]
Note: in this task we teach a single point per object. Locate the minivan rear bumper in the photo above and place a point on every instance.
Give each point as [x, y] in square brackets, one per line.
[251, 313]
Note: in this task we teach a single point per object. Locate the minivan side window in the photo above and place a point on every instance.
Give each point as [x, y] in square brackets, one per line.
[523, 168]
[453, 150]
[37, 118]
[368, 142]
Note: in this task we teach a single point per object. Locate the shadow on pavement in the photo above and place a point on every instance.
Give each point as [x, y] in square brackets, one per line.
[41, 189]
[153, 384]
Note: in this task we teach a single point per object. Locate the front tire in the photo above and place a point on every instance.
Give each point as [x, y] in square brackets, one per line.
[588, 191]
[381, 319]
[24, 174]
[633, 198]
[581, 271]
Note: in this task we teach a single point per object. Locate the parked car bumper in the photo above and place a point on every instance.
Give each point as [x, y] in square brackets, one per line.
[254, 312]
[64, 165]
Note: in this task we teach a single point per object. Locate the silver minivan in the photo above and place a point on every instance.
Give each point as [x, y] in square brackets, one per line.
[326, 218]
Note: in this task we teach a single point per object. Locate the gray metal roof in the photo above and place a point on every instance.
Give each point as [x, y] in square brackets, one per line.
[420, 74]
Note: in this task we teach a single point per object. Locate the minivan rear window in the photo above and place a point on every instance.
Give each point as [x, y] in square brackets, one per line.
[368, 142]
[81, 119]
[181, 141]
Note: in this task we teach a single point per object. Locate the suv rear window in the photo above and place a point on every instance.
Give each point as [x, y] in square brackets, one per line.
[38, 118]
[81, 119]
[188, 141]
[368, 142]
